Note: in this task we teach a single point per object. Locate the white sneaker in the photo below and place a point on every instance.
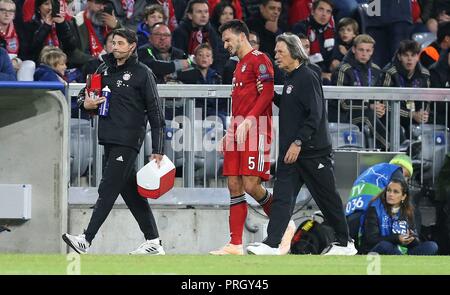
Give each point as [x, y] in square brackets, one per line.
[149, 248]
[77, 243]
[262, 249]
[335, 249]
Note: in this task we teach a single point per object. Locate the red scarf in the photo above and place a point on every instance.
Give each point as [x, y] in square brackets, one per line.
[196, 38]
[95, 46]
[11, 38]
[52, 37]
[328, 37]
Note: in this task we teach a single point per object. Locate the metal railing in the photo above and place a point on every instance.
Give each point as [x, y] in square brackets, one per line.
[188, 128]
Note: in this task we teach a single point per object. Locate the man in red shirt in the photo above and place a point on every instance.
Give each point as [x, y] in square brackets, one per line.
[246, 146]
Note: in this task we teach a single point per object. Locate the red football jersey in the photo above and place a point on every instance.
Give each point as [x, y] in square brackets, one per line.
[246, 101]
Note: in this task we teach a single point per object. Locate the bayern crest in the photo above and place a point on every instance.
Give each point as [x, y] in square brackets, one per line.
[126, 76]
[289, 89]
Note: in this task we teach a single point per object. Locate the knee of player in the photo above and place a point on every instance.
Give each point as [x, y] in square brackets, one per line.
[251, 187]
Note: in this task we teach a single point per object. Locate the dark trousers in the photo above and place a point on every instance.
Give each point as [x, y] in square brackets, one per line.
[119, 176]
[423, 248]
[318, 175]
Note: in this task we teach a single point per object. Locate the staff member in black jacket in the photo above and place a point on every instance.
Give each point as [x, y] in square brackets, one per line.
[305, 152]
[134, 98]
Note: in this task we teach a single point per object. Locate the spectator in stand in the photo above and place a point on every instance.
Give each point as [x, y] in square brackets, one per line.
[53, 65]
[223, 12]
[161, 57]
[45, 29]
[91, 27]
[195, 29]
[268, 24]
[6, 69]
[204, 74]
[9, 37]
[440, 72]
[431, 53]
[236, 4]
[230, 65]
[357, 69]
[389, 228]
[405, 70]
[153, 14]
[319, 28]
[347, 31]
[10, 40]
[131, 12]
[29, 9]
[392, 25]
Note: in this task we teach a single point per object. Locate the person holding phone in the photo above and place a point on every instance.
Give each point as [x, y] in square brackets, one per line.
[388, 227]
[91, 28]
[47, 28]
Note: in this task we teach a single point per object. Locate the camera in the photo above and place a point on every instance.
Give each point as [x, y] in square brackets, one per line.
[56, 8]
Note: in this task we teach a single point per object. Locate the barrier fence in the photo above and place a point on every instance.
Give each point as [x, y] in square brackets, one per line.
[198, 115]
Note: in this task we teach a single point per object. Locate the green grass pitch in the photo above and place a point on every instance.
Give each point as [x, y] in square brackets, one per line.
[223, 265]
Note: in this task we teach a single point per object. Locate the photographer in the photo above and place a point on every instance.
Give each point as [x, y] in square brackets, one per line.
[47, 28]
[134, 100]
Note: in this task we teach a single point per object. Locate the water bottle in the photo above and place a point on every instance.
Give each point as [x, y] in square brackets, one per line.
[104, 107]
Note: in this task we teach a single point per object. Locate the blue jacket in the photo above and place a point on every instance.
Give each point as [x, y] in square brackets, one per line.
[369, 184]
[6, 69]
[142, 33]
[46, 73]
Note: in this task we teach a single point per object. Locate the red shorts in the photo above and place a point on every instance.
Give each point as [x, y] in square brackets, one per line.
[251, 159]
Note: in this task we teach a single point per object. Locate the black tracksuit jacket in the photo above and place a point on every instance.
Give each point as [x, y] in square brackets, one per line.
[303, 114]
[134, 99]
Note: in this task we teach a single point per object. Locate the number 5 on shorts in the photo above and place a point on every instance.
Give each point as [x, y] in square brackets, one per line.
[251, 163]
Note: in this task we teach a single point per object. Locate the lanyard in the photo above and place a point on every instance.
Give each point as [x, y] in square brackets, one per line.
[369, 77]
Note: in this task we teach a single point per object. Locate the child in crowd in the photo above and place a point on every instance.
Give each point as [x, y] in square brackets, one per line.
[347, 29]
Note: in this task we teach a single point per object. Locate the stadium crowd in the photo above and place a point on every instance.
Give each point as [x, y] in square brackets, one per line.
[180, 42]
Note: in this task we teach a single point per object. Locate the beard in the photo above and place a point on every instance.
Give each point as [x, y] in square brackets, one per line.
[96, 18]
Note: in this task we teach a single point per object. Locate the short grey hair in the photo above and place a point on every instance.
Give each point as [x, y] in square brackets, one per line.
[294, 45]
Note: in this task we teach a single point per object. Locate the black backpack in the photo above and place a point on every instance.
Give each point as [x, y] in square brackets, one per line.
[312, 236]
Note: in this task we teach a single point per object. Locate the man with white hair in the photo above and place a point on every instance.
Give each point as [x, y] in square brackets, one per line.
[305, 152]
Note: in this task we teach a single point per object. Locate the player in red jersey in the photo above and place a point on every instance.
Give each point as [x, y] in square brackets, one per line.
[246, 146]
